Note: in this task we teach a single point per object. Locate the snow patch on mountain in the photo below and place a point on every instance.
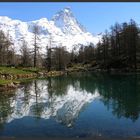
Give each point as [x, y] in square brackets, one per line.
[63, 30]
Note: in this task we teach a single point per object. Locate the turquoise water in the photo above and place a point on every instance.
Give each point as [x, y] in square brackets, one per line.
[80, 105]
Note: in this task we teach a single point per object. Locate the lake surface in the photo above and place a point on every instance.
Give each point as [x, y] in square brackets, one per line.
[80, 105]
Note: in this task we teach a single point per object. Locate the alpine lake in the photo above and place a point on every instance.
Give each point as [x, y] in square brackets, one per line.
[76, 105]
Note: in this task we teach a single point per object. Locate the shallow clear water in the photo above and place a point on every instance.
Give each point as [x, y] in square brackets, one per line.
[80, 105]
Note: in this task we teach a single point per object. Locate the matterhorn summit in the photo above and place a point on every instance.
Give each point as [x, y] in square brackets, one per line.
[68, 24]
[63, 29]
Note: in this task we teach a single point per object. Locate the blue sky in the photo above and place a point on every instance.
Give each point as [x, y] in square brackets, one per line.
[96, 17]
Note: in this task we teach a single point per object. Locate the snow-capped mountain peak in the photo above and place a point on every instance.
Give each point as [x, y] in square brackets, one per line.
[63, 29]
[65, 20]
[66, 12]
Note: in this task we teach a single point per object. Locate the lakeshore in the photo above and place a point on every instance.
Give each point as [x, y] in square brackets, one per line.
[11, 77]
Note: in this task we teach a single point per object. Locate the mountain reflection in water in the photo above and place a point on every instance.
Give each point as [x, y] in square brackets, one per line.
[65, 98]
[47, 98]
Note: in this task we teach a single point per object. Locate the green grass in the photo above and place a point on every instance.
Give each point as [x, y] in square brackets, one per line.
[15, 71]
[4, 82]
[30, 69]
[10, 70]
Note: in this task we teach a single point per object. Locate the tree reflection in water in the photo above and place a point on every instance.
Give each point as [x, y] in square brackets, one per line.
[64, 97]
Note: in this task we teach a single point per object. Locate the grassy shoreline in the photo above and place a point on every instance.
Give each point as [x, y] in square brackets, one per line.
[12, 77]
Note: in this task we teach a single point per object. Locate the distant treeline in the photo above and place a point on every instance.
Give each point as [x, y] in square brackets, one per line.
[119, 48]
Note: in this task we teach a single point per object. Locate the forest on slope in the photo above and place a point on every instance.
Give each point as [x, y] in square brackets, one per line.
[118, 49]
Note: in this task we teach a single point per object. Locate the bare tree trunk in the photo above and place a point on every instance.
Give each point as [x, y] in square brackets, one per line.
[35, 50]
[35, 31]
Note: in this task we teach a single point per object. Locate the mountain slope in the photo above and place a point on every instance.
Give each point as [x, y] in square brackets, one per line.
[62, 30]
